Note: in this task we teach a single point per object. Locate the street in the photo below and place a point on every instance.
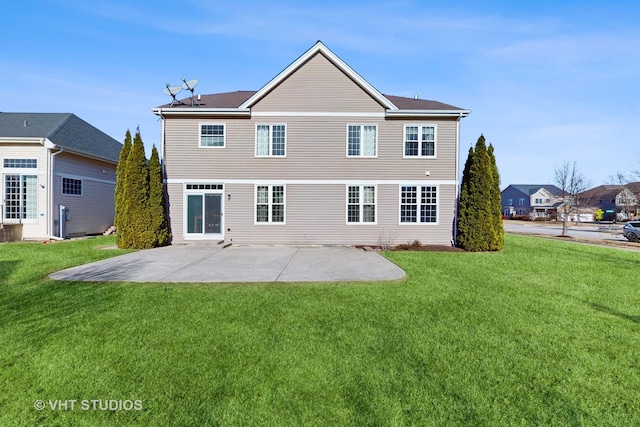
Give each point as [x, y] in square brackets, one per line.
[582, 230]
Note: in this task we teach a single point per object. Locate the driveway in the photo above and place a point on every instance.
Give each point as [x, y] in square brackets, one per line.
[214, 264]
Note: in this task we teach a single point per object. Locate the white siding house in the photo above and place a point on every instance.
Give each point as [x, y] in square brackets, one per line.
[316, 156]
[49, 160]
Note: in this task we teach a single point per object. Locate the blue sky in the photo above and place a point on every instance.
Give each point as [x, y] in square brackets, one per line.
[546, 81]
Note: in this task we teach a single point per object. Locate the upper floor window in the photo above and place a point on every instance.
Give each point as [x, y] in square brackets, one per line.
[362, 140]
[538, 201]
[71, 187]
[510, 202]
[21, 163]
[212, 135]
[271, 140]
[521, 201]
[419, 141]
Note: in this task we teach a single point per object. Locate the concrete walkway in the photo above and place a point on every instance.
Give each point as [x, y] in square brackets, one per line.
[213, 264]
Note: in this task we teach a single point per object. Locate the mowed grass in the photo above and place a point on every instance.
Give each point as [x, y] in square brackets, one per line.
[545, 332]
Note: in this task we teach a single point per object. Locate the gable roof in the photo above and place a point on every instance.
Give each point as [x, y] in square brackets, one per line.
[240, 102]
[319, 47]
[64, 130]
[530, 189]
[609, 191]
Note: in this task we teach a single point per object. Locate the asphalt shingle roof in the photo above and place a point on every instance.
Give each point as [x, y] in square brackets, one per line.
[65, 130]
[235, 99]
[531, 189]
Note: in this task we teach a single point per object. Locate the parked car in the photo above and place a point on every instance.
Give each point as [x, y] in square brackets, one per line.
[631, 231]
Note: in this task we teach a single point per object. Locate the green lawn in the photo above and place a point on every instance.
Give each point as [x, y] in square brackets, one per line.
[545, 332]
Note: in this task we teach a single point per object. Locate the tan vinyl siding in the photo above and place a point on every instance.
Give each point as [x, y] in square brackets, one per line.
[316, 214]
[175, 201]
[31, 229]
[316, 148]
[92, 212]
[318, 86]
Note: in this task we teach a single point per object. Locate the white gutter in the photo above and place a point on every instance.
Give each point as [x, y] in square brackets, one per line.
[172, 111]
[455, 207]
[162, 132]
[427, 113]
[50, 190]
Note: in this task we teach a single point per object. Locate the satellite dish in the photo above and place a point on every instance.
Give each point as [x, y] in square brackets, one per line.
[172, 91]
[190, 85]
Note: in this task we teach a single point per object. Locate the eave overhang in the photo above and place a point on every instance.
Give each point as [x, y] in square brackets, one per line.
[195, 111]
[426, 113]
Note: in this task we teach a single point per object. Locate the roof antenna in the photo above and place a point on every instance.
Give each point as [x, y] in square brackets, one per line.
[190, 85]
[172, 91]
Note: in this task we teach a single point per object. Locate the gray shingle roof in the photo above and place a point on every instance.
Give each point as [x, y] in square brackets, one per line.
[235, 99]
[529, 189]
[65, 130]
[404, 103]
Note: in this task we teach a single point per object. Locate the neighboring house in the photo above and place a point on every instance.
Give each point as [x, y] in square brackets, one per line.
[316, 156]
[54, 160]
[533, 201]
[618, 202]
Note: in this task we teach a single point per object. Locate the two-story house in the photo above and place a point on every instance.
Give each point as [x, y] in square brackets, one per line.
[58, 176]
[617, 202]
[533, 201]
[316, 156]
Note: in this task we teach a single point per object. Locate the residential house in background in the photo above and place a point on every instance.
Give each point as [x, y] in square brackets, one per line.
[618, 202]
[316, 156]
[55, 166]
[532, 201]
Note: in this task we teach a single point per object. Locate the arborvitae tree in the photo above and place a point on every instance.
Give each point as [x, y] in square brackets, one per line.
[497, 205]
[463, 221]
[120, 201]
[477, 226]
[157, 205]
[137, 234]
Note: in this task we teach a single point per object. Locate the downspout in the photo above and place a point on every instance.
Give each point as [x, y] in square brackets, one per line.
[162, 131]
[50, 190]
[457, 198]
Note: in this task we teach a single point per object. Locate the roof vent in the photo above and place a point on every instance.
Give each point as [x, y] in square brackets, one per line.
[415, 96]
[25, 124]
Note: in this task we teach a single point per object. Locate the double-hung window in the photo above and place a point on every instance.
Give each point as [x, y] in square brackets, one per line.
[361, 204]
[418, 204]
[71, 187]
[270, 202]
[20, 189]
[212, 134]
[362, 140]
[419, 141]
[271, 140]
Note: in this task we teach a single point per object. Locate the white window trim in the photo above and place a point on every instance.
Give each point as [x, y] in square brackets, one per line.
[419, 196]
[361, 156]
[361, 205]
[420, 126]
[62, 178]
[2, 166]
[270, 204]
[270, 155]
[224, 135]
[185, 207]
[20, 172]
